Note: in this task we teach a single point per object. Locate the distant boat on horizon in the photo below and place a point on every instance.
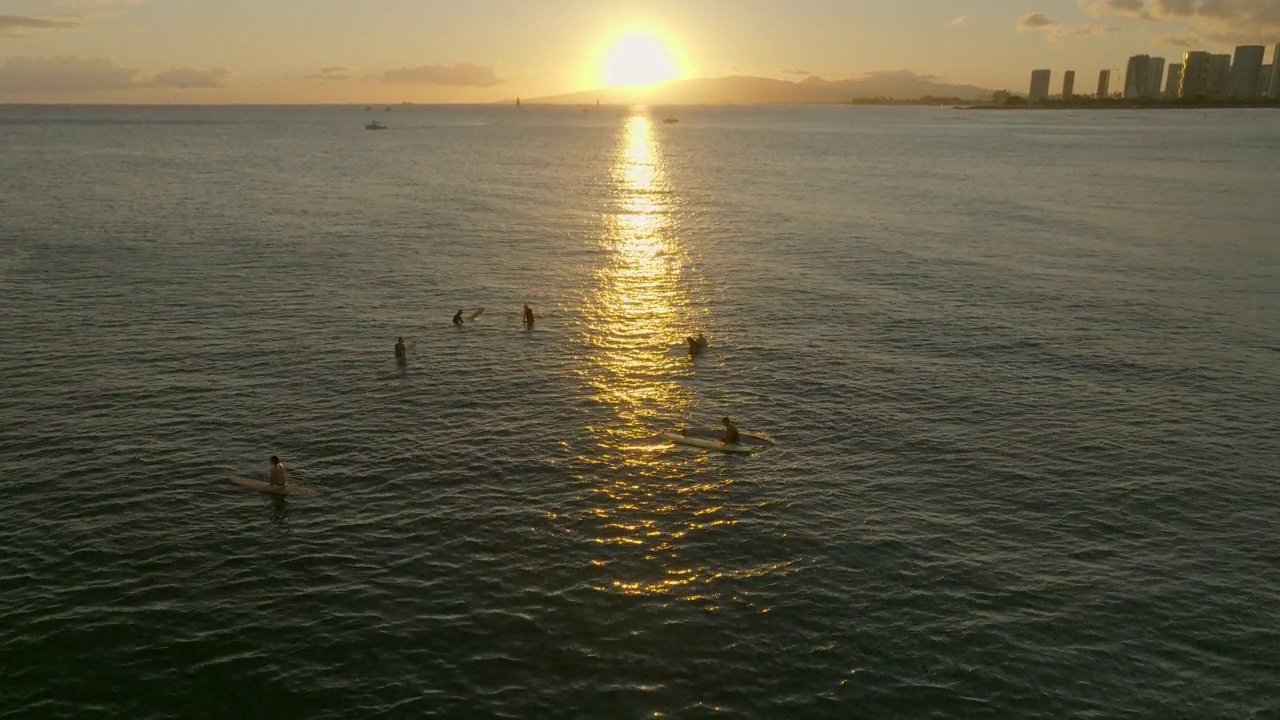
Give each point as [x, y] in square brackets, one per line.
[375, 125]
[671, 120]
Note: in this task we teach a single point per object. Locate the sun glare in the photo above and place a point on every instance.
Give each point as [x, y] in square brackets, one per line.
[637, 59]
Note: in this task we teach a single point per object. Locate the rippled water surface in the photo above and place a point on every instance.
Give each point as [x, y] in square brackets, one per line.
[1021, 370]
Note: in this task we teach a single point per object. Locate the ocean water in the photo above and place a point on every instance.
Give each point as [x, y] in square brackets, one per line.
[1022, 370]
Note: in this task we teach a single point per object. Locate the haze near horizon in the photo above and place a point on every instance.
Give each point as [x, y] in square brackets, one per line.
[390, 51]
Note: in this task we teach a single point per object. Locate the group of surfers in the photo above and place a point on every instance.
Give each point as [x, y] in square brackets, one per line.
[277, 474]
[731, 436]
[402, 353]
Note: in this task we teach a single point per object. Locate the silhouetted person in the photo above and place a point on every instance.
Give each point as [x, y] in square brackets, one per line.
[528, 315]
[400, 354]
[730, 432]
[277, 472]
[457, 319]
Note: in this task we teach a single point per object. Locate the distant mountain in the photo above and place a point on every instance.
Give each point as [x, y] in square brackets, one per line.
[747, 90]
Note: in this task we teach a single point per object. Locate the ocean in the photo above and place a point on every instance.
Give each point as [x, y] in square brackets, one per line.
[1021, 370]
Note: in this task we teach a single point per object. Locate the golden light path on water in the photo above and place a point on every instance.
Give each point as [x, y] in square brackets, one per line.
[645, 497]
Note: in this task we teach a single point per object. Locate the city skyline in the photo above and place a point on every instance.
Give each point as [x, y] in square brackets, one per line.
[428, 51]
[1198, 73]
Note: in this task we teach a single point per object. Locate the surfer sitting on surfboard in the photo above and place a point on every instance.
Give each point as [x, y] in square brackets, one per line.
[730, 432]
[457, 319]
[400, 349]
[277, 471]
[696, 344]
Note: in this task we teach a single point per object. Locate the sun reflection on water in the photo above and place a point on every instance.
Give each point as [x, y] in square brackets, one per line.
[641, 307]
[646, 511]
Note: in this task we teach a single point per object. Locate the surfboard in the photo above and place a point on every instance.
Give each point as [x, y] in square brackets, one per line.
[475, 314]
[679, 439]
[261, 486]
[717, 433]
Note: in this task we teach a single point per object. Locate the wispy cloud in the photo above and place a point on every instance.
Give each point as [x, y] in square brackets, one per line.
[1036, 20]
[95, 2]
[333, 72]
[184, 78]
[1178, 41]
[789, 71]
[1058, 31]
[98, 74]
[1223, 21]
[66, 74]
[460, 75]
[22, 26]
[960, 21]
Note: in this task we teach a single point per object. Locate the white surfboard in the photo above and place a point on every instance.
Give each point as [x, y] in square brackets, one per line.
[717, 433]
[261, 486]
[475, 314]
[679, 439]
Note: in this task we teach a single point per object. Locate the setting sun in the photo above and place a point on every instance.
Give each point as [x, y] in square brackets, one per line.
[637, 59]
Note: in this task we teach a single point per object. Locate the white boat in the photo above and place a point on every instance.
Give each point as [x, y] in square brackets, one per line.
[375, 125]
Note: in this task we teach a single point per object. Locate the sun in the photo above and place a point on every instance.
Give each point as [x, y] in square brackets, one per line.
[636, 59]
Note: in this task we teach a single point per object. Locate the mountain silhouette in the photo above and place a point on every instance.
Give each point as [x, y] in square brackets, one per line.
[749, 90]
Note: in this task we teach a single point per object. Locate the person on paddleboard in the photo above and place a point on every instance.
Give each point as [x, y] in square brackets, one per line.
[400, 349]
[277, 472]
[457, 319]
[730, 432]
[528, 315]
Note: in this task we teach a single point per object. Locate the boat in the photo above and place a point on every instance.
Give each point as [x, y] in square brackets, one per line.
[671, 120]
[375, 125]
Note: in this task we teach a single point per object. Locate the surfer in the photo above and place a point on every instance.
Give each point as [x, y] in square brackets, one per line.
[528, 315]
[730, 432]
[457, 319]
[696, 344]
[400, 349]
[277, 471]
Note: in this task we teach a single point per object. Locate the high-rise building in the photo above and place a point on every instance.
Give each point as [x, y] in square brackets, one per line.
[1104, 83]
[1175, 79]
[1273, 87]
[1195, 74]
[1039, 86]
[1068, 84]
[1156, 66]
[1219, 74]
[1264, 80]
[1245, 69]
[1137, 77]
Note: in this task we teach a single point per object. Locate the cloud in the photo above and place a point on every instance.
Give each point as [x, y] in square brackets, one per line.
[19, 26]
[66, 74]
[185, 78]
[88, 75]
[1059, 32]
[1122, 8]
[1223, 21]
[333, 72]
[1035, 21]
[460, 75]
[788, 71]
[960, 21]
[895, 75]
[1183, 41]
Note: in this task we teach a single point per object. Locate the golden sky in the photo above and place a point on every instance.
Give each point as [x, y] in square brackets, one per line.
[384, 51]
